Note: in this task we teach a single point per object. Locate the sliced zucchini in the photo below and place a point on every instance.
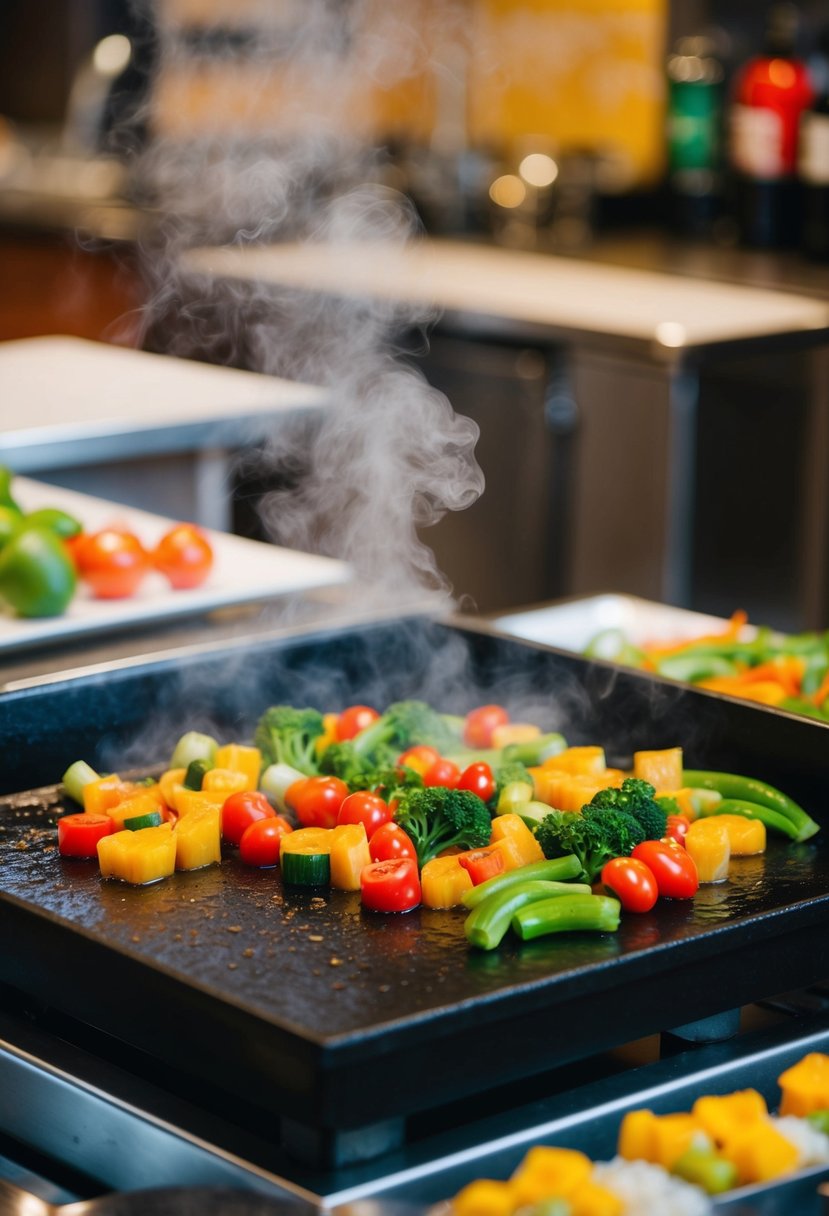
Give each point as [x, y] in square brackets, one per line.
[194, 777]
[306, 868]
[152, 819]
[76, 777]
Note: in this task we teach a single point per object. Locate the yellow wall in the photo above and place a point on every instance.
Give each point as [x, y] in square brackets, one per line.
[583, 74]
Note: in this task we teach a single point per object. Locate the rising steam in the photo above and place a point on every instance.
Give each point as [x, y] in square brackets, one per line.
[284, 151]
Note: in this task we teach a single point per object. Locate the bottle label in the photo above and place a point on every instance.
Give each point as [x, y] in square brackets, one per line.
[757, 142]
[813, 154]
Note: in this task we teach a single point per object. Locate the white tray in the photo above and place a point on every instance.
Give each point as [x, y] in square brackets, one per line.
[243, 571]
[572, 624]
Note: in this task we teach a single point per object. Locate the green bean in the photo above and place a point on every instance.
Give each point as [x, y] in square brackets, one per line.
[487, 924]
[749, 789]
[567, 913]
[751, 810]
[706, 1169]
[557, 869]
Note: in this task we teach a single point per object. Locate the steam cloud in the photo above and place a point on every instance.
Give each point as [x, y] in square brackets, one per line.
[283, 154]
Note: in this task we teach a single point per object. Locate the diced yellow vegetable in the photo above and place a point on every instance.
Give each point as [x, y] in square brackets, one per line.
[170, 782]
[317, 839]
[240, 758]
[591, 1199]
[138, 857]
[484, 1198]
[684, 800]
[746, 836]
[547, 1172]
[225, 780]
[721, 1115]
[513, 828]
[198, 838]
[443, 882]
[570, 791]
[578, 761]
[129, 808]
[349, 855]
[707, 842]
[636, 1136]
[663, 768]
[514, 732]
[673, 1135]
[805, 1086]
[760, 1153]
[185, 801]
[329, 733]
[99, 796]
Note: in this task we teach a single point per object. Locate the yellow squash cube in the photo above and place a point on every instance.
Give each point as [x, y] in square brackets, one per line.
[663, 768]
[198, 838]
[546, 1173]
[238, 758]
[722, 1115]
[349, 855]
[138, 857]
[708, 843]
[805, 1086]
[444, 882]
[484, 1197]
[523, 843]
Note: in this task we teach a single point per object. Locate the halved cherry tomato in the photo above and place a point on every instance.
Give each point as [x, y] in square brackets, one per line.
[354, 719]
[481, 722]
[368, 809]
[113, 562]
[78, 834]
[632, 882]
[390, 886]
[672, 867]
[482, 864]
[478, 779]
[442, 772]
[184, 556]
[390, 841]
[242, 809]
[419, 758]
[316, 801]
[262, 840]
[677, 828]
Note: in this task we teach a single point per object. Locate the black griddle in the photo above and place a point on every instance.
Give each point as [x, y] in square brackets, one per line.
[339, 1022]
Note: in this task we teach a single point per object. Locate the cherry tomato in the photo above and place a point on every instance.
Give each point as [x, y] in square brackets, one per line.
[442, 772]
[677, 828]
[242, 809]
[78, 834]
[390, 886]
[674, 869]
[368, 809]
[354, 719]
[478, 779]
[419, 758]
[184, 556]
[481, 722]
[262, 840]
[390, 841]
[632, 883]
[316, 801]
[113, 562]
[481, 864]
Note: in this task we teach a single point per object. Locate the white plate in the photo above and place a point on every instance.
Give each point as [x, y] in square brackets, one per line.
[572, 624]
[243, 571]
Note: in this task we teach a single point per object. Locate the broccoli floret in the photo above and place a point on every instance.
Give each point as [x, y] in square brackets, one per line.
[437, 818]
[594, 836]
[636, 797]
[286, 735]
[406, 724]
[510, 774]
[341, 760]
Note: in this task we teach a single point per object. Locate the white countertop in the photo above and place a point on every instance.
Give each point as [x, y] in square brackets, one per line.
[666, 311]
[65, 400]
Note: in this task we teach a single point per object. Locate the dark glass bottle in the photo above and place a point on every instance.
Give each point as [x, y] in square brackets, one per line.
[771, 92]
[695, 101]
[813, 163]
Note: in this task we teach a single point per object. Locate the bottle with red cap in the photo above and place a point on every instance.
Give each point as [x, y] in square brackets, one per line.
[771, 93]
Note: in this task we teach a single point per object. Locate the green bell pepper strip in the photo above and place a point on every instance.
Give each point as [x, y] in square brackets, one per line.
[773, 820]
[487, 923]
[565, 914]
[694, 667]
[556, 869]
[749, 789]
